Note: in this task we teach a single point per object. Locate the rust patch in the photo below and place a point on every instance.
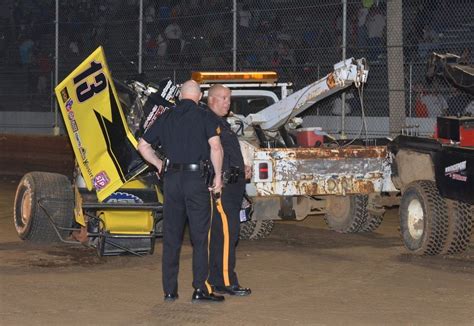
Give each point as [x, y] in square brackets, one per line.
[331, 81]
[362, 186]
[340, 153]
[310, 188]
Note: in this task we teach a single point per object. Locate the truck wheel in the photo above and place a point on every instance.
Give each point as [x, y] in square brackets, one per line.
[346, 214]
[253, 230]
[372, 223]
[460, 227]
[55, 194]
[423, 218]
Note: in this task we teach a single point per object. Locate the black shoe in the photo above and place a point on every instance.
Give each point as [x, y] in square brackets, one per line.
[170, 297]
[232, 290]
[200, 295]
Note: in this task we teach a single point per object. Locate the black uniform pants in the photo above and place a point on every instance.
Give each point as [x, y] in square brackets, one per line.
[185, 197]
[225, 234]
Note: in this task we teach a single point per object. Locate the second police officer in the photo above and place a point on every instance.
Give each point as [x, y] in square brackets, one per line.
[226, 219]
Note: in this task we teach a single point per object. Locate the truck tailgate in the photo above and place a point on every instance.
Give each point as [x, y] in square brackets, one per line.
[320, 171]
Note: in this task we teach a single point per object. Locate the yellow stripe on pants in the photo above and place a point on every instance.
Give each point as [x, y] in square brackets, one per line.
[208, 286]
[225, 253]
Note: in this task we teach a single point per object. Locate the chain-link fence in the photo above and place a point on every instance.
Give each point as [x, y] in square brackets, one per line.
[299, 39]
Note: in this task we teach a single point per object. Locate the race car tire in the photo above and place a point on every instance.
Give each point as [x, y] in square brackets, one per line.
[423, 218]
[460, 218]
[51, 191]
[346, 214]
[255, 229]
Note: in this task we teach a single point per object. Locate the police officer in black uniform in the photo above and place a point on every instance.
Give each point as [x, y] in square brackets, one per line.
[226, 220]
[188, 136]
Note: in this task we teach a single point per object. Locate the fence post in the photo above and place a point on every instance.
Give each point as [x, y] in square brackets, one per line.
[410, 89]
[140, 37]
[343, 95]
[395, 64]
[56, 67]
[234, 35]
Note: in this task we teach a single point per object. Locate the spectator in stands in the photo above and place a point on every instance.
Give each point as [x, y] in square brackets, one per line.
[151, 45]
[26, 51]
[164, 14]
[16, 17]
[458, 102]
[361, 27]
[420, 107]
[245, 18]
[428, 43]
[44, 68]
[99, 32]
[376, 23]
[173, 34]
[337, 105]
[150, 17]
[3, 38]
[74, 48]
[435, 103]
[162, 46]
[470, 109]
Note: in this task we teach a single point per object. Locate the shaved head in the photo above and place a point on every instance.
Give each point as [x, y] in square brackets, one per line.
[217, 89]
[219, 97]
[191, 90]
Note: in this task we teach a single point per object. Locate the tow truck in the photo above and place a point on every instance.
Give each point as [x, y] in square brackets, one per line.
[342, 179]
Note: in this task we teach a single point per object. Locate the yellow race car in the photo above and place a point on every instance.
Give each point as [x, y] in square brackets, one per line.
[112, 202]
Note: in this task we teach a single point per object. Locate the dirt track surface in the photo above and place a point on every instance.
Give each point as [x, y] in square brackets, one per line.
[303, 274]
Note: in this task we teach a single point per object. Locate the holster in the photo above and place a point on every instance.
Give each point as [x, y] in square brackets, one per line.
[207, 172]
[231, 175]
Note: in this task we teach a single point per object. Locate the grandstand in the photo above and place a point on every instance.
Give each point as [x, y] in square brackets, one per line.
[300, 39]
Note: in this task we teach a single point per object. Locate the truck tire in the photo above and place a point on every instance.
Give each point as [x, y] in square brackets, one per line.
[460, 226]
[347, 214]
[54, 192]
[423, 218]
[372, 223]
[255, 229]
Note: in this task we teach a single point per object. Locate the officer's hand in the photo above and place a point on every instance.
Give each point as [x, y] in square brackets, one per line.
[248, 172]
[159, 166]
[216, 185]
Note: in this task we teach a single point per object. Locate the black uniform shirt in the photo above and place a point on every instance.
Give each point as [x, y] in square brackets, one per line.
[230, 143]
[184, 132]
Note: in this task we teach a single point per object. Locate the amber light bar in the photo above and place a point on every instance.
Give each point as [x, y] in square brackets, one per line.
[234, 77]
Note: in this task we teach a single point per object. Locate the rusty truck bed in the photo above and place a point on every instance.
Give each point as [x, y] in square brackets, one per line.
[322, 171]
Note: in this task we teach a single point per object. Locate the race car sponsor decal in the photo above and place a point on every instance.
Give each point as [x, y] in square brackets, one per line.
[64, 94]
[169, 92]
[69, 104]
[157, 111]
[101, 180]
[123, 198]
[73, 121]
[456, 171]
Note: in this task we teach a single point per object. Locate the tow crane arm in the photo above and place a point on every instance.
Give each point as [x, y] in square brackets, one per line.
[455, 69]
[278, 114]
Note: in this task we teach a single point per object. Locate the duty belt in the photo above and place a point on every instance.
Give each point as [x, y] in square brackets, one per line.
[184, 167]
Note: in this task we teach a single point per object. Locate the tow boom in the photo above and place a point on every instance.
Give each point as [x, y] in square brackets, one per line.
[278, 114]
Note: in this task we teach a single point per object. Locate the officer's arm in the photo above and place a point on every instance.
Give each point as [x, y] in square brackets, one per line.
[217, 157]
[148, 153]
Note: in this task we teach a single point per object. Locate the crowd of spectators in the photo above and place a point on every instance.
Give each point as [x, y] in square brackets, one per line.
[290, 37]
